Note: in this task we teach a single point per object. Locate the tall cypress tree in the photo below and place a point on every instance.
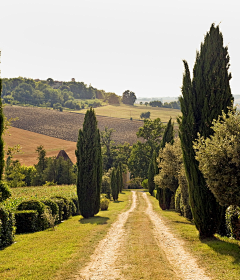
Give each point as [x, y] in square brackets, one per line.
[89, 164]
[151, 173]
[118, 180]
[121, 176]
[1, 133]
[168, 136]
[203, 100]
[114, 185]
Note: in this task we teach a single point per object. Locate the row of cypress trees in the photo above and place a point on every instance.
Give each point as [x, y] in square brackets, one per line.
[203, 99]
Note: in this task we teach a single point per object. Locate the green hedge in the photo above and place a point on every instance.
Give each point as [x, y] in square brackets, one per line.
[54, 208]
[6, 227]
[67, 210]
[75, 201]
[26, 221]
[41, 208]
[60, 203]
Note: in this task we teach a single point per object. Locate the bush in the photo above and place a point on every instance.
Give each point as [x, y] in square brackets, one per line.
[53, 206]
[67, 211]
[75, 201]
[233, 221]
[26, 221]
[42, 221]
[5, 192]
[104, 203]
[61, 204]
[135, 183]
[73, 207]
[145, 184]
[6, 227]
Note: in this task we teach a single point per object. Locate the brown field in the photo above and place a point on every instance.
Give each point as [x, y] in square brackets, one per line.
[66, 125]
[29, 141]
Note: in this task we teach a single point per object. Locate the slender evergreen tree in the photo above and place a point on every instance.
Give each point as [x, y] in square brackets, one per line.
[121, 176]
[1, 133]
[203, 99]
[114, 185]
[168, 136]
[118, 180]
[89, 164]
[151, 173]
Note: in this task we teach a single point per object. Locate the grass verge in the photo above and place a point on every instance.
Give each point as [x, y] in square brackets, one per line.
[220, 256]
[60, 253]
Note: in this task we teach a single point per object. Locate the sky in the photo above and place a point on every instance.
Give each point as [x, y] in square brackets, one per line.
[114, 45]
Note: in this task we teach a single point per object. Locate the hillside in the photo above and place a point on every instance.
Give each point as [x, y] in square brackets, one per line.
[134, 112]
[66, 125]
[29, 141]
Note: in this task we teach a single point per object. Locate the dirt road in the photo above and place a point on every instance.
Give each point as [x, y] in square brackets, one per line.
[139, 245]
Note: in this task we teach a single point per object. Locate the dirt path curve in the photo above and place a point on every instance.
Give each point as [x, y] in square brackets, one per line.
[184, 263]
[139, 245]
[103, 259]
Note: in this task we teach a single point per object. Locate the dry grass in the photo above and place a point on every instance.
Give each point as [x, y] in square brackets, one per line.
[29, 141]
[128, 111]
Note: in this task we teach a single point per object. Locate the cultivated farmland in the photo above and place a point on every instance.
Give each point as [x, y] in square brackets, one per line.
[65, 125]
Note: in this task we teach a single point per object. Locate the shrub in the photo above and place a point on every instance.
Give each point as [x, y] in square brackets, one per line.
[145, 183]
[73, 207]
[233, 221]
[42, 221]
[26, 221]
[135, 183]
[75, 201]
[67, 211]
[54, 208]
[6, 227]
[5, 192]
[61, 204]
[104, 203]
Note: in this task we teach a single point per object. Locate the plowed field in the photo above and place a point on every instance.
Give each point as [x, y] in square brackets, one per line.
[65, 125]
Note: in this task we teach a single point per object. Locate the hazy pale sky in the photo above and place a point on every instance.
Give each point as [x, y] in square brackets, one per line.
[114, 45]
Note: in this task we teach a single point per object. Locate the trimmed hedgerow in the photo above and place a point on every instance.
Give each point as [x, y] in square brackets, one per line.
[67, 211]
[75, 201]
[41, 208]
[60, 202]
[6, 227]
[73, 207]
[26, 221]
[53, 206]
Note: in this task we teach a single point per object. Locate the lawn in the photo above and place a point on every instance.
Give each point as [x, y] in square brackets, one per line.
[59, 253]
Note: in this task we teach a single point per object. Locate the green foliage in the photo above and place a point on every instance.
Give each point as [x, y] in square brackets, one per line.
[33, 204]
[61, 206]
[6, 227]
[89, 163]
[52, 205]
[135, 183]
[145, 184]
[26, 221]
[5, 192]
[203, 99]
[219, 158]
[170, 161]
[168, 135]
[178, 201]
[145, 115]
[121, 176]
[114, 186]
[67, 208]
[118, 180]
[107, 142]
[104, 203]
[75, 201]
[106, 185]
[233, 221]
[112, 98]
[138, 161]
[151, 173]
[128, 97]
